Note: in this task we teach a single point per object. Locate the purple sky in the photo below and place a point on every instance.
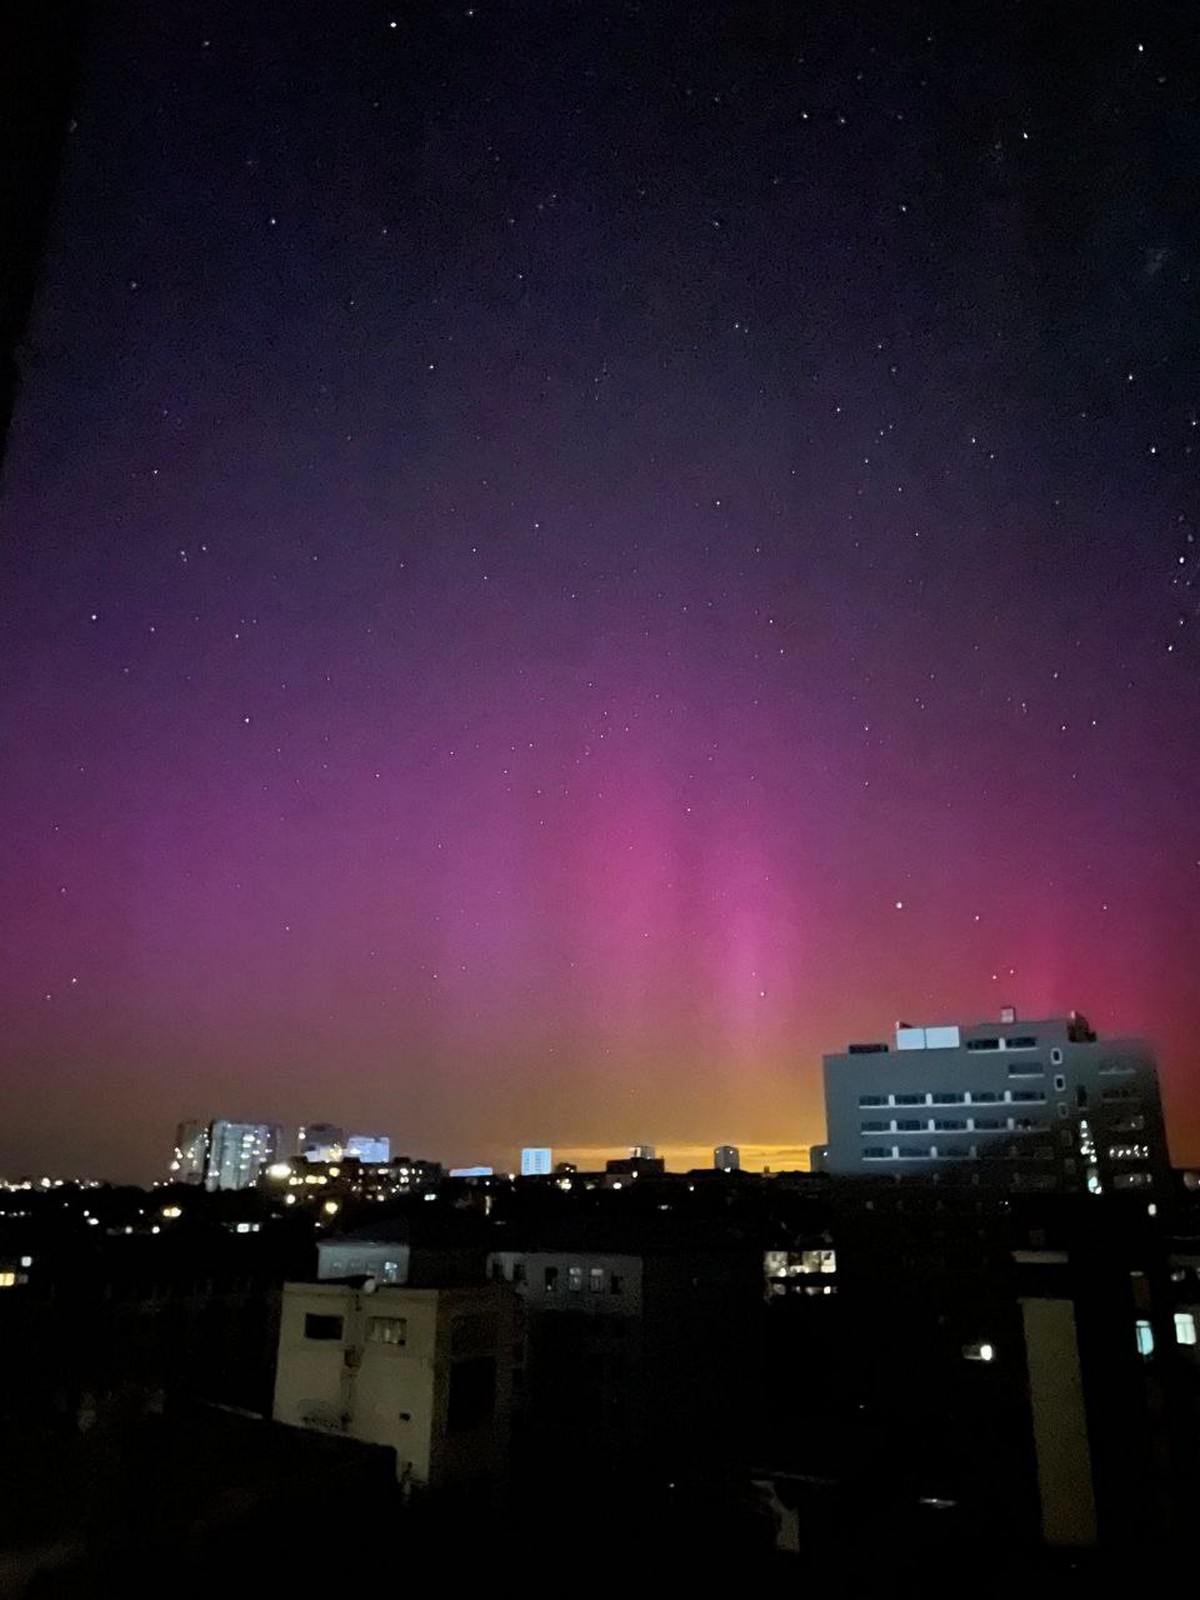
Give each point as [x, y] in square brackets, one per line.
[558, 562]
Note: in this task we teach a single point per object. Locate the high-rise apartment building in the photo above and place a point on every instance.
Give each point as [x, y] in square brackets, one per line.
[190, 1159]
[536, 1162]
[727, 1158]
[1021, 1105]
[239, 1151]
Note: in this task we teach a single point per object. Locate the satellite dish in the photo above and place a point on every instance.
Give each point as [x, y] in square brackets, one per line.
[370, 1286]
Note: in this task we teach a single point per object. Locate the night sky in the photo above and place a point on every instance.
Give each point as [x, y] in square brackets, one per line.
[559, 560]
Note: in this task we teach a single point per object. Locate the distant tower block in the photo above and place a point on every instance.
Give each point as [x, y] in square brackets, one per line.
[727, 1158]
[536, 1161]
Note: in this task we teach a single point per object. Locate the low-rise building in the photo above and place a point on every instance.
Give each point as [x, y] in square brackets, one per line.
[428, 1372]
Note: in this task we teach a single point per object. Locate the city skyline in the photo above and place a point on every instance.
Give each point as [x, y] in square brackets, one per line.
[557, 567]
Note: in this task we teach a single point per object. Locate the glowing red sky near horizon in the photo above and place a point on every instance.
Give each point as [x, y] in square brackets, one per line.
[550, 577]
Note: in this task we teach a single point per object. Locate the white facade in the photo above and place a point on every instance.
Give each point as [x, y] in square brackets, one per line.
[238, 1152]
[372, 1149]
[574, 1280]
[386, 1261]
[427, 1372]
[536, 1161]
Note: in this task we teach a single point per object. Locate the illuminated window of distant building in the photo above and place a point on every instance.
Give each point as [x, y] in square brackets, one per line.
[392, 1272]
[387, 1330]
[1185, 1327]
[550, 1280]
[8, 1280]
[574, 1279]
[319, 1326]
[596, 1280]
[1145, 1337]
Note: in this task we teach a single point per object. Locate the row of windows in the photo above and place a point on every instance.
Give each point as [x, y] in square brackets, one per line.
[957, 1152]
[1014, 1041]
[954, 1097]
[380, 1330]
[597, 1280]
[950, 1125]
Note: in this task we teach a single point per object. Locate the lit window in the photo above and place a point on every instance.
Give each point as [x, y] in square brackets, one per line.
[1145, 1337]
[574, 1279]
[8, 1280]
[1185, 1327]
[979, 1352]
[388, 1330]
[596, 1280]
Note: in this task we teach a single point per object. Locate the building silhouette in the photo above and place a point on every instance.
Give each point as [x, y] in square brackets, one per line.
[1016, 1105]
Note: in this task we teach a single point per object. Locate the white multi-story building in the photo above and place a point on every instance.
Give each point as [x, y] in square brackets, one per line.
[428, 1372]
[1022, 1105]
[239, 1152]
[536, 1161]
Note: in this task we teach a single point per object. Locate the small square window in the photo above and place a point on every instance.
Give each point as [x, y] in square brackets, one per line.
[388, 1330]
[319, 1326]
[616, 1284]
[1060, 1083]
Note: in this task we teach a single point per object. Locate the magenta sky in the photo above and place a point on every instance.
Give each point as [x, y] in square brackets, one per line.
[547, 578]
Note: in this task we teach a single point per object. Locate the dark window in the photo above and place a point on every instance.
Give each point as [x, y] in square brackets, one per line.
[983, 1044]
[472, 1396]
[944, 1124]
[948, 1097]
[909, 1125]
[954, 1152]
[1022, 1041]
[1060, 1083]
[550, 1280]
[985, 1097]
[872, 1127]
[1081, 1098]
[915, 1152]
[1119, 1094]
[910, 1099]
[872, 1099]
[1029, 1096]
[616, 1284]
[318, 1326]
[877, 1152]
[518, 1272]
[1026, 1069]
[988, 1122]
